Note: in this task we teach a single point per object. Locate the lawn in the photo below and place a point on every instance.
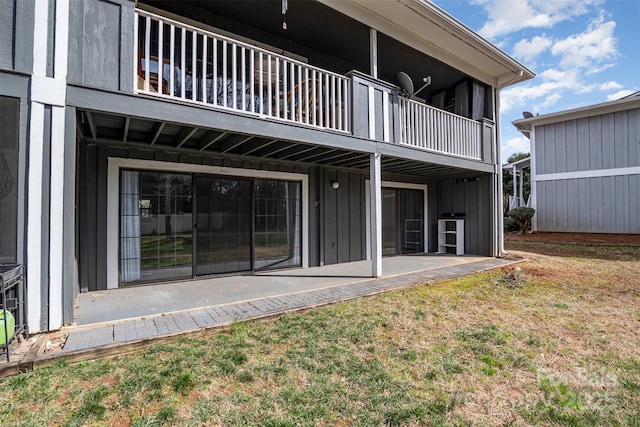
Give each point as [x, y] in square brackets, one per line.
[555, 341]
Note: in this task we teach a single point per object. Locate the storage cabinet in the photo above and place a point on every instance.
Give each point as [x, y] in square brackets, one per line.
[451, 236]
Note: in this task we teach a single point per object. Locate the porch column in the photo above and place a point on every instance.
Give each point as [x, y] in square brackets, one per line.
[46, 171]
[376, 215]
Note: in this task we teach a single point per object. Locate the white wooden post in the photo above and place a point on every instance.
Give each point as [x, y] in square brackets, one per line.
[376, 215]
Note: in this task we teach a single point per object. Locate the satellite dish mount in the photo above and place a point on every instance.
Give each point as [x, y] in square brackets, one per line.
[407, 84]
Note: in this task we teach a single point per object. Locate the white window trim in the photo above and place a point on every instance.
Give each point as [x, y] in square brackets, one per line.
[113, 200]
[394, 184]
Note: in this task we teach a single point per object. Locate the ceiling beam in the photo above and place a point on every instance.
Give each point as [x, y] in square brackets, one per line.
[233, 142]
[125, 131]
[210, 138]
[92, 125]
[184, 135]
[156, 131]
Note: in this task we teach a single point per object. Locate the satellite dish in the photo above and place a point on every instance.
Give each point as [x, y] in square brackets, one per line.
[527, 115]
[407, 84]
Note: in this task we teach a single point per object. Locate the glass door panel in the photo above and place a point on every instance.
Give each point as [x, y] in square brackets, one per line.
[389, 222]
[155, 226]
[223, 224]
[411, 220]
[277, 224]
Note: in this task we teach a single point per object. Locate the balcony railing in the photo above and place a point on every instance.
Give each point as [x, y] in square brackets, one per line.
[433, 129]
[211, 69]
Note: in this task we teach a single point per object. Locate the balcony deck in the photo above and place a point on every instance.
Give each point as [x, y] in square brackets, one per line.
[212, 70]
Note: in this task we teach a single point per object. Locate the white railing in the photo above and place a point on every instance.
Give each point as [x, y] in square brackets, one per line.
[433, 129]
[211, 69]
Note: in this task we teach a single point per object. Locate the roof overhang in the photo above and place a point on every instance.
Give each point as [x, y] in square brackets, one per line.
[429, 29]
[518, 164]
[627, 103]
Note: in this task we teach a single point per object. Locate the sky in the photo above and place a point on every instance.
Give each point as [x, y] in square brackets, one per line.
[583, 52]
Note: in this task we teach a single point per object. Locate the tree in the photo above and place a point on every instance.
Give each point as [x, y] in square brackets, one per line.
[507, 177]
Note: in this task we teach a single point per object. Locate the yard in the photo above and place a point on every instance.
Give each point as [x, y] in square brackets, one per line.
[555, 340]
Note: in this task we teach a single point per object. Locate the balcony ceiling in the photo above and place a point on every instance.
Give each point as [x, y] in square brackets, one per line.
[149, 135]
[330, 39]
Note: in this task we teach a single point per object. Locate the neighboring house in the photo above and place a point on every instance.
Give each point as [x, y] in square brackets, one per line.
[585, 168]
[251, 147]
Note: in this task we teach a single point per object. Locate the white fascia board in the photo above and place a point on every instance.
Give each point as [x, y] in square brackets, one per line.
[578, 113]
[430, 30]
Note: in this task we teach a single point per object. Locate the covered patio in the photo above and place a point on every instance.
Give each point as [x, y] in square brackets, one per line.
[127, 315]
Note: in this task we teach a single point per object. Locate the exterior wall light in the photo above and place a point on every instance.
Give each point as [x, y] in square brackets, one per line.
[335, 185]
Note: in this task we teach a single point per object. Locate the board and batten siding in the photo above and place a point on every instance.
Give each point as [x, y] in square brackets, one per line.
[587, 176]
[340, 238]
[605, 141]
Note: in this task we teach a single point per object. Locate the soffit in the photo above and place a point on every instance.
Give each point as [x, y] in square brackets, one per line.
[427, 28]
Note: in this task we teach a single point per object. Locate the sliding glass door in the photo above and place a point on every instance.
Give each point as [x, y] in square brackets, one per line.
[175, 226]
[223, 224]
[155, 226]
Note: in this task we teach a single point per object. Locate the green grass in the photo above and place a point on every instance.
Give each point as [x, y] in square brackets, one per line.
[531, 346]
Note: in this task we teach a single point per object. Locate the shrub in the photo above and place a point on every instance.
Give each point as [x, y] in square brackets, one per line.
[510, 224]
[522, 216]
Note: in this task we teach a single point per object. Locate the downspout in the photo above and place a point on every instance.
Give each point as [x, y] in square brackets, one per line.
[501, 251]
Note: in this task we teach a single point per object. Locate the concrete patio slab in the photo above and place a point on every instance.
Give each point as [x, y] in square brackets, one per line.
[135, 314]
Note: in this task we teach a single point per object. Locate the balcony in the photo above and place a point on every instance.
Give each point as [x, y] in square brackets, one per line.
[218, 71]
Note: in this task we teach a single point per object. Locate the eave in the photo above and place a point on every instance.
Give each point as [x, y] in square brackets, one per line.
[429, 29]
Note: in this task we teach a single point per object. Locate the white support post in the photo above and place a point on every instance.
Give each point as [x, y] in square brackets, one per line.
[376, 215]
[373, 55]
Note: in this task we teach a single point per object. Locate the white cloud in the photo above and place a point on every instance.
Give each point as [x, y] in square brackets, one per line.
[589, 49]
[609, 86]
[517, 144]
[619, 94]
[553, 84]
[528, 50]
[507, 16]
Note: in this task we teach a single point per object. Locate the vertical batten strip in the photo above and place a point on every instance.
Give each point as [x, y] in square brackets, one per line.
[277, 88]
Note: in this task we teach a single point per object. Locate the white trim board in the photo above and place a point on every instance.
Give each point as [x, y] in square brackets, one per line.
[113, 200]
[394, 184]
[597, 173]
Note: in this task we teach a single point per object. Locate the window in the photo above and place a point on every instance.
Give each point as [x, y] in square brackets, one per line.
[9, 120]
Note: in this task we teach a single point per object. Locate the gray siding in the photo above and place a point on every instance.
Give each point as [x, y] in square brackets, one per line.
[591, 205]
[605, 141]
[473, 198]
[16, 34]
[341, 238]
[101, 44]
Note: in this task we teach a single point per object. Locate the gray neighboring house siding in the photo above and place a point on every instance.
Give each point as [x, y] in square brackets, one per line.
[586, 168]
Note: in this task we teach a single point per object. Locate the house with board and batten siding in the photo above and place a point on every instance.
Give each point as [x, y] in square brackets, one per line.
[585, 168]
[154, 141]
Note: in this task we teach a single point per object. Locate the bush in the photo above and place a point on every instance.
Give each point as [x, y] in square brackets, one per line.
[522, 216]
[510, 224]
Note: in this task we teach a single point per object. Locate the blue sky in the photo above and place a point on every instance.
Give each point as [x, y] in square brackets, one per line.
[583, 52]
